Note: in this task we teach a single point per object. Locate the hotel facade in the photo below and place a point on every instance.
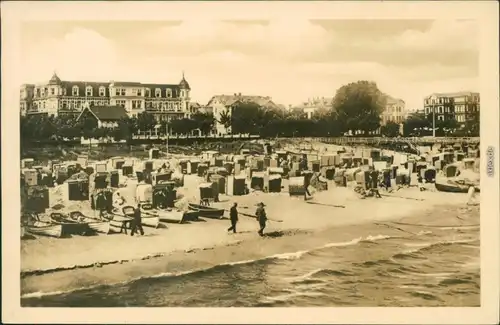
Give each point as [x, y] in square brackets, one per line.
[56, 97]
[461, 106]
[394, 111]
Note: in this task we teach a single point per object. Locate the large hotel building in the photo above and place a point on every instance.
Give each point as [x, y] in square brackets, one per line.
[461, 106]
[56, 97]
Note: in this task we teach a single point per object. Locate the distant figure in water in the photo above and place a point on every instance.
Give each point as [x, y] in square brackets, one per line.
[233, 215]
[137, 221]
[261, 218]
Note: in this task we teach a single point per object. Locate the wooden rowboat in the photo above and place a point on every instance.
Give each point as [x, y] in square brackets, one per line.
[454, 187]
[171, 216]
[147, 219]
[45, 229]
[94, 224]
[70, 227]
[207, 212]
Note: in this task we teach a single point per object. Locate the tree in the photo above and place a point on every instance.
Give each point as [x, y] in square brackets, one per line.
[391, 129]
[472, 125]
[225, 119]
[204, 121]
[417, 125]
[245, 117]
[358, 106]
[145, 121]
[126, 129]
[183, 126]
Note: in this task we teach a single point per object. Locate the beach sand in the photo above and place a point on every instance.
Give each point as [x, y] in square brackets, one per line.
[124, 257]
[51, 265]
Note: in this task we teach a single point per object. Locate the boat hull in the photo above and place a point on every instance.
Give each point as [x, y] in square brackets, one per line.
[171, 216]
[73, 228]
[206, 212]
[45, 229]
[454, 188]
[103, 227]
[153, 221]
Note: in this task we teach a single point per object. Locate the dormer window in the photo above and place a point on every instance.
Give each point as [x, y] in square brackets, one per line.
[64, 92]
[75, 91]
[102, 91]
[148, 92]
[88, 91]
[169, 93]
[157, 92]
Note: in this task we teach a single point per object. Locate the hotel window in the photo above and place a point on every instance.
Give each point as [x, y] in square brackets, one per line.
[148, 92]
[88, 91]
[139, 92]
[123, 91]
[102, 91]
[157, 92]
[169, 93]
[117, 91]
[134, 92]
[74, 91]
[52, 91]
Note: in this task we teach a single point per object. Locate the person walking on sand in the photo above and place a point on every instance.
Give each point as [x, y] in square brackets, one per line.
[261, 218]
[233, 215]
[137, 221]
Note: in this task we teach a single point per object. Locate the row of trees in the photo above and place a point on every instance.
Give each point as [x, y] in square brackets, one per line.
[356, 109]
[42, 127]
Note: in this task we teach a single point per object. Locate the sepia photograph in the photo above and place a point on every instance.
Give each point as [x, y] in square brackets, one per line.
[229, 160]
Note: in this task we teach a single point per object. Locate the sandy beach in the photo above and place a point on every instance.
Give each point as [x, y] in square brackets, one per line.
[79, 261]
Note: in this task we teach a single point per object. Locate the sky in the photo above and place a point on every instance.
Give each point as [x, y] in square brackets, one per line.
[290, 60]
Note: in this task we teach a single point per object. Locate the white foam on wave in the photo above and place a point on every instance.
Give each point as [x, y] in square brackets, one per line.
[432, 275]
[346, 243]
[289, 296]
[304, 276]
[39, 294]
[377, 237]
[282, 256]
[289, 256]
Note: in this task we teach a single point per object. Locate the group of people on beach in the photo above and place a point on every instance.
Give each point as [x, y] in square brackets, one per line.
[260, 215]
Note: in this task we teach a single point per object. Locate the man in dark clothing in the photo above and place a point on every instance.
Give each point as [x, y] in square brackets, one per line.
[261, 218]
[233, 215]
[137, 222]
[307, 182]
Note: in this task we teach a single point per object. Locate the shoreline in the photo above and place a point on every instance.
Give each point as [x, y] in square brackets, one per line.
[233, 249]
[36, 255]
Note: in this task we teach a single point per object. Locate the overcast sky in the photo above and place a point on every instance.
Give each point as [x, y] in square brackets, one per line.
[288, 60]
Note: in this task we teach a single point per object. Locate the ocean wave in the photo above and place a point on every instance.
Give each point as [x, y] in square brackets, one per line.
[455, 281]
[417, 253]
[282, 256]
[290, 296]
[425, 295]
[433, 226]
